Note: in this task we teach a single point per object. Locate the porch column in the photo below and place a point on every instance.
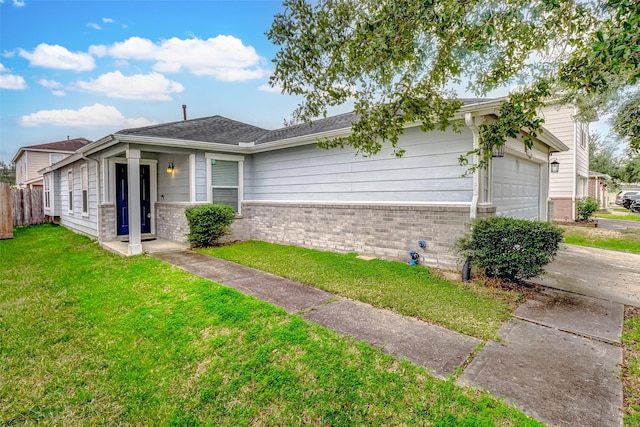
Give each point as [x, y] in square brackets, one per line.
[133, 177]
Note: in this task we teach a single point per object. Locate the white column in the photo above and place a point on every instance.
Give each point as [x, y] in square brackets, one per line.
[133, 176]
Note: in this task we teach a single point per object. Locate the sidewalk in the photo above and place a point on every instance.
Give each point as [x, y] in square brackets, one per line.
[558, 360]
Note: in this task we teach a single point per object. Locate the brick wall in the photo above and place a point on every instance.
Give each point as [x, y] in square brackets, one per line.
[107, 222]
[383, 231]
[171, 222]
[563, 209]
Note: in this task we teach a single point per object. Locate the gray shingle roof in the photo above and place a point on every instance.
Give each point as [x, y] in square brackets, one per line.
[216, 129]
[221, 130]
[340, 121]
[69, 145]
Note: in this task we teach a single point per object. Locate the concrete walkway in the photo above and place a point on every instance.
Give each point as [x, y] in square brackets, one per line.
[558, 360]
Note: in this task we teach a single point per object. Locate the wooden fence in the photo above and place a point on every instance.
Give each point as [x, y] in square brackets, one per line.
[6, 217]
[19, 206]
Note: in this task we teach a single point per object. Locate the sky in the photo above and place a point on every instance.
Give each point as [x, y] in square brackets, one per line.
[88, 68]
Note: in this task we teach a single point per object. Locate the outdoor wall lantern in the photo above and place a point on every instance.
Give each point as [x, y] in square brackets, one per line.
[170, 168]
[555, 166]
[498, 151]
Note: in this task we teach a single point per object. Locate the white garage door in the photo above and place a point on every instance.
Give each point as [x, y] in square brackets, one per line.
[516, 187]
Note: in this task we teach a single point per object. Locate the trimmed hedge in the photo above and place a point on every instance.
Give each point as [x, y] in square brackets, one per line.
[208, 223]
[510, 248]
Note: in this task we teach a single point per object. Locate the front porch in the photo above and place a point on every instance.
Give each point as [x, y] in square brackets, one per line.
[150, 245]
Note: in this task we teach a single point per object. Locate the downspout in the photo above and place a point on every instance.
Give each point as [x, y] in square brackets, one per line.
[97, 163]
[575, 166]
[468, 120]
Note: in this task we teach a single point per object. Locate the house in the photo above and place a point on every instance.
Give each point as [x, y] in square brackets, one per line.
[571, 182]
[598, 183]
[138, 182]
[31, 159]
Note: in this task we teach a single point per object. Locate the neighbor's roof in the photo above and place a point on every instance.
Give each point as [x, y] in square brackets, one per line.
[215, 129]
[66, 146]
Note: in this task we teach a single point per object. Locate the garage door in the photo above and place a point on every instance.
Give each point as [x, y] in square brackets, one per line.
[516, 187]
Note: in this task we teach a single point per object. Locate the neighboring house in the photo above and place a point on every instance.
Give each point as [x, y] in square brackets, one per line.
[571, 182]
[285, 189]
[598, 188]
[30, 160]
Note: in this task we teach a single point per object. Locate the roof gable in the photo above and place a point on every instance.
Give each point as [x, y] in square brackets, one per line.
[66, 146]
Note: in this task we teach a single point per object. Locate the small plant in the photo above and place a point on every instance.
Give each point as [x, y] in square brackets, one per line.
[510, 248]
[586, 207]
[208, 223]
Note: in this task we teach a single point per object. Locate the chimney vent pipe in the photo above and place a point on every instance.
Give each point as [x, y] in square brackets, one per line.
[184, 112]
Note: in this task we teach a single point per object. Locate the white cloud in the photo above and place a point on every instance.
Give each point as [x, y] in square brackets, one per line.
[152, 86]
[3, 69]
[223, 57]
[58, 93]
[18, 3]
[12, 81]
[94, 26]
[58, 57]
[269, 88]
[108, 20]
[50, 84]
[95, 115]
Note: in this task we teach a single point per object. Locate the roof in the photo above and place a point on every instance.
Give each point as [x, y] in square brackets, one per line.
[341, 121]
[66, 146]
[217, 129]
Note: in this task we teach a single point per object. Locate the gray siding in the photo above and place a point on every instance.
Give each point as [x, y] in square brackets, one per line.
[76, 220]
[202, 182]
[428, 172]
[173, 187]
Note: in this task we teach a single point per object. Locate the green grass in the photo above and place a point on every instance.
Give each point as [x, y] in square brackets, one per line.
[630, 217]
[622, 240]
[631, 369]
[89, 338]
[412, 291]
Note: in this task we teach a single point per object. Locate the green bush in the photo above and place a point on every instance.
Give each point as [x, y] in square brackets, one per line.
[207, 223]
[510, 248]
[586, 207]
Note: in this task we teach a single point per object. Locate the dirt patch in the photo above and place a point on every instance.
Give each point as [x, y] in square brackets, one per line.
[593, 232]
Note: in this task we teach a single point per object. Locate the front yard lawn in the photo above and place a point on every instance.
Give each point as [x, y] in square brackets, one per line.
[89, 338]
[618, 240]
[413, 291]
[630, 216]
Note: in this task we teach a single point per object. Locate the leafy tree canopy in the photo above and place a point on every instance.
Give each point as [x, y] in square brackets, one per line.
[398, 60]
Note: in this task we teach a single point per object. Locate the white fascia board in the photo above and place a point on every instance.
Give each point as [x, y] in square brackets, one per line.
[179, 143]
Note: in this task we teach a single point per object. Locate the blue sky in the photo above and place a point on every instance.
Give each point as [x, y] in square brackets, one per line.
[90, 68]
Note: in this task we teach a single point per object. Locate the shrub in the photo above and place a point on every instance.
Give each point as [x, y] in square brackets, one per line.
[586, 207]
[207, 223]
[510, 248]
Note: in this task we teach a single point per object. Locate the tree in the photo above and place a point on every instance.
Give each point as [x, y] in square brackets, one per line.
[397, 60]
[8, 172]
[602, 156]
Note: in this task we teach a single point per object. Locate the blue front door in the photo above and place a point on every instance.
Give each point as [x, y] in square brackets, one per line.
[122, 199]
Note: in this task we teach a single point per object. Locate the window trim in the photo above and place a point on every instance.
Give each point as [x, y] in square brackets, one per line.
[47, 191]
[84, 191]
[70, 190]
[228, 158]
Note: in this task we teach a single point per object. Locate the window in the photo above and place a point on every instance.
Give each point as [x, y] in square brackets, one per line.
[70, 189]
[47, 191]
[225, 172]
[85, 190]
[54, 158]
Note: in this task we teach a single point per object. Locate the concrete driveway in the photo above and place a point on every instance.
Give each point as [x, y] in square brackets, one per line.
[617, 224]
[600, 273]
